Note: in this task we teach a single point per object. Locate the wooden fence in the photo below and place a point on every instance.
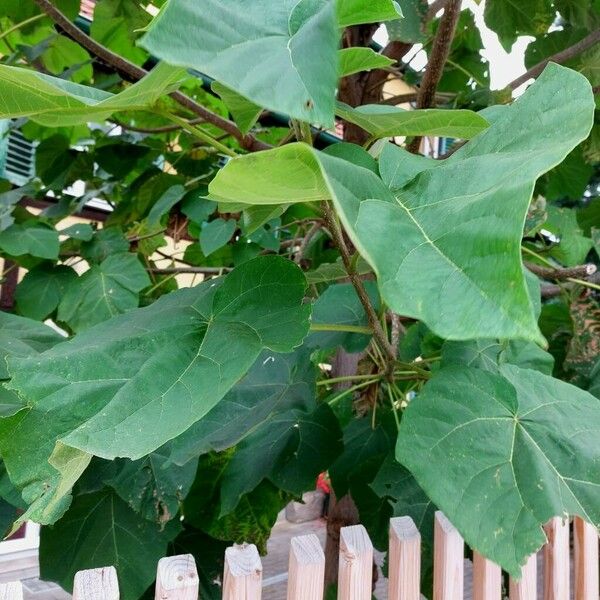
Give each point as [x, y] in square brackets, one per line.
[177, 578]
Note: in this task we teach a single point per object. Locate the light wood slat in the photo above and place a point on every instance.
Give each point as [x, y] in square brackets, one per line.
[586, 560]
[487, 579]
[556, 560]
[96, 584]
[404, 561]
[355, 564]
[177, 578]
[526, 587]
[13, 590]
[306, 571]
[448, 564]
[242, 578]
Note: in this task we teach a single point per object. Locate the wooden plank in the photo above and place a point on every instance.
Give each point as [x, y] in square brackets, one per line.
[306, 570]
[487, 579]
[556, 560]
[448, 560]
[586, 560]
[404, 561]
[96, 584]
[242, 578]
[13, 590]
[177, 578]
[356, 564]
[526, 587]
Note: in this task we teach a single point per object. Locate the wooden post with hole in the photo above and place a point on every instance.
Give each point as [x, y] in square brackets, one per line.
[556, 560]
[177, 578]
[96, 584]
[306, 572]
[586, 560]
[355, 564]
[526, 587]
[404, 560]
[13, 590]
[242, 578]
[487, 579]
[448, 563]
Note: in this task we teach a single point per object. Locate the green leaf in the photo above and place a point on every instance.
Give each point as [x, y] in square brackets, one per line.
[290, 449]
[284, 59]
[357, 12]
[196, 207]
[152, 486]
[411, 27]
[216, 234]
[94, 393]
[55, 102]
[245, 113]
[79, 231]
[165, 203]
[398, 167]
[8, 513]
[105, 290]
[569, 180]
[388, 121]
[355, 60]
[99, 530]
[30, 237]
[23, 337]
[63, 54]
[501, 454]
[276, 383]
[106, 241]
[574, 246]
[456, 228]
[9, 198]
[340, 305]
[40, 291]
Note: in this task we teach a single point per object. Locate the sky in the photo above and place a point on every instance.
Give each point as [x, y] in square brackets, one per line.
[504, 67]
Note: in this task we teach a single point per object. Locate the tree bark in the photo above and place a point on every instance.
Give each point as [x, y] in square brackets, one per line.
[8, 286]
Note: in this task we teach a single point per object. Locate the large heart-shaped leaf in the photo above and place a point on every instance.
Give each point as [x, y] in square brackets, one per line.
[157, 370]
[282, 55]
[455, 228]
[388, 121]
[501, 454]
[54, 102]
[99, 530]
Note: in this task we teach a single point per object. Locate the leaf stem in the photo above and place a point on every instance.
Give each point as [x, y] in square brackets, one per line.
[198, 133]
[337, 327]
[345, 378]
[21, 24]
[350, 390]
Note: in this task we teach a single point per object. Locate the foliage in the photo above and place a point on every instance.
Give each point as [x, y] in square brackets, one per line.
[168, 369]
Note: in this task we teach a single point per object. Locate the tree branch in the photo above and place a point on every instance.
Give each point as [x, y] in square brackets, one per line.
[181, 270]
[560, 57]
[164, 129]
[558, 274]
[437, 59]
[434, 9]
[356, 281]
[132, 72]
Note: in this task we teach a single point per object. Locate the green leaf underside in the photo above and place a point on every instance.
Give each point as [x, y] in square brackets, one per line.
[508, 445]
[227, 40]
[245, 113]
[456, 228]
[155, 370]
[53, 102]
[274, 384]
[355, 60]
[99, 530]
[388, 121]
[357, 12]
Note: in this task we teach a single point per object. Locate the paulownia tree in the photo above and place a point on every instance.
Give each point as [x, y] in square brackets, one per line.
[422, 325]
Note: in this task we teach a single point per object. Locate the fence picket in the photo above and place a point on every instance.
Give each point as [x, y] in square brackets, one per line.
[487, 579]
[448, 563]
[586, 560]
[356, 564]
[242, 578]
[96, 584]
[306, 571]
[176, 578]
[556, 560]
[13, 590]
[526, 587]
[404, 561]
